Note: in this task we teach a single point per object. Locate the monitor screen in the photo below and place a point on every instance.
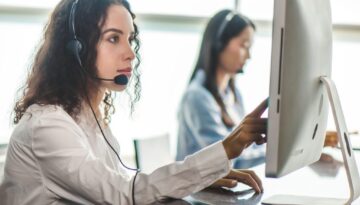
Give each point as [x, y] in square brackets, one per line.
[298, 107]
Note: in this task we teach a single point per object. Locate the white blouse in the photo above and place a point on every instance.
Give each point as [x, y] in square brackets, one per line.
[53, 159]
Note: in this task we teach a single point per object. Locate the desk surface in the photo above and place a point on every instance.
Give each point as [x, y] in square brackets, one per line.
[321, 179]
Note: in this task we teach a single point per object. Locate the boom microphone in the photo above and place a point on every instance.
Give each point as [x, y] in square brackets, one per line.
[119, 79]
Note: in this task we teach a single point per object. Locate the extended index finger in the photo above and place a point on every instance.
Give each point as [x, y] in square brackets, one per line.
[260, 109]
[257, 179]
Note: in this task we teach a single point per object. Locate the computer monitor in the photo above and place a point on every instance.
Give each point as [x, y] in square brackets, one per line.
[298, 108]
[300, 88]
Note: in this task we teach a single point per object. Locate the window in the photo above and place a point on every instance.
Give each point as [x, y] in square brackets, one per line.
[18, 38]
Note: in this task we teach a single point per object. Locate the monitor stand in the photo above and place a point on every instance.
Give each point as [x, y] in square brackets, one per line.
[352, 172]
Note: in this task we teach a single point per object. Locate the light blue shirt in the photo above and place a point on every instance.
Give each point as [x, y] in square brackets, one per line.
[200, 122]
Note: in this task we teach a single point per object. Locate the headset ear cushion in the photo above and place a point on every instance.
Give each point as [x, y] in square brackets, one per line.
[76, 49]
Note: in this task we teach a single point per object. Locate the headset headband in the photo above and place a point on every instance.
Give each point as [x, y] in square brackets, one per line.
[72, 19]
[224, 23]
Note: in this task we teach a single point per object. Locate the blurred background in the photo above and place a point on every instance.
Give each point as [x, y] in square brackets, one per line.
[170, 31]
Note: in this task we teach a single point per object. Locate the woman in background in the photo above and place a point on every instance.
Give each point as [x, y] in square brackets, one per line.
[62, 150]
[212, 105]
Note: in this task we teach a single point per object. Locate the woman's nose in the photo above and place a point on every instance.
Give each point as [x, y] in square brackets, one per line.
[130, 53]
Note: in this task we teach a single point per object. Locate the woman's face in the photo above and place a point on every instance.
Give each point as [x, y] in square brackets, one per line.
[114, 51]
[235, 54]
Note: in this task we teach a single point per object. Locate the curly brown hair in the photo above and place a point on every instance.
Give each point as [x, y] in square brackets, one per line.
[55, 76]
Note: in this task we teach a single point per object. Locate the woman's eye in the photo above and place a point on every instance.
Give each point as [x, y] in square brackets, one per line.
[114, 39]
[245, 46]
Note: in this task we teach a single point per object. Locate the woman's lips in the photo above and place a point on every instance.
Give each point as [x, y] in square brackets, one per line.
[126, 71]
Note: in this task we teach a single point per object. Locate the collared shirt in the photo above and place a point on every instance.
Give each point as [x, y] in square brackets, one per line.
[200, 122]
[54, 159]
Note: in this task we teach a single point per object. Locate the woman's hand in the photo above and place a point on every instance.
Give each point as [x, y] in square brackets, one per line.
[332, 140]
[252, 129]
[247, 177]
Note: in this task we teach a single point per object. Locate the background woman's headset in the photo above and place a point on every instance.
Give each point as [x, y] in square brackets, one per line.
[218, 42]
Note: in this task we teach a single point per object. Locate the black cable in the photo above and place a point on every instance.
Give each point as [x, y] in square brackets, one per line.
[112, 148]
[133, 187]
[75, 52]
[102, 132]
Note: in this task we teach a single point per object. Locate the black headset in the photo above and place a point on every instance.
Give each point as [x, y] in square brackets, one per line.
[75, 48]
[218, 43]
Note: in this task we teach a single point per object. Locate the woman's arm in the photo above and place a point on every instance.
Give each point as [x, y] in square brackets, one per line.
[72, 172]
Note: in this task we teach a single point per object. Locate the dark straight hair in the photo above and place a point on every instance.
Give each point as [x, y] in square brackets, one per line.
[213, 43]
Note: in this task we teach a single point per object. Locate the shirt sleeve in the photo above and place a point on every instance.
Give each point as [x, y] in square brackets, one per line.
[180, 179]
[203, 114]
[72, 173]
